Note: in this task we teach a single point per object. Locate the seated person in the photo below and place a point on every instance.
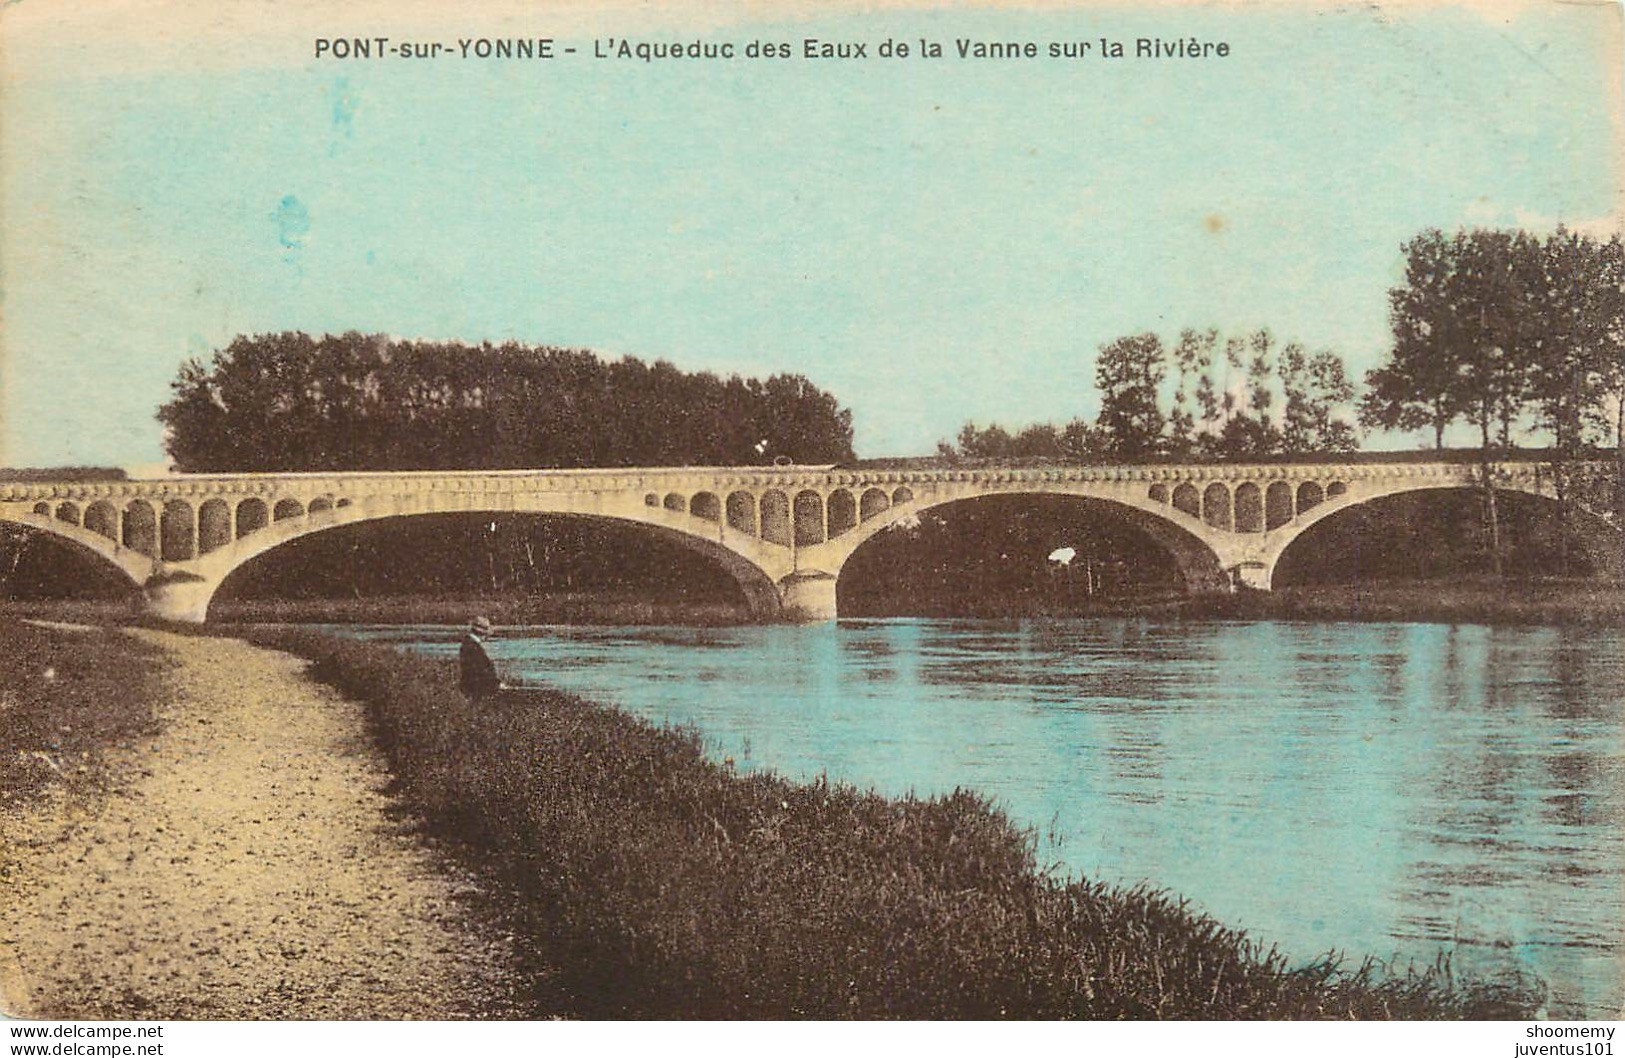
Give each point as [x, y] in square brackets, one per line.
[477, 675]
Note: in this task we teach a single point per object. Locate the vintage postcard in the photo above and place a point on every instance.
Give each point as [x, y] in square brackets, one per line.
[919, 510]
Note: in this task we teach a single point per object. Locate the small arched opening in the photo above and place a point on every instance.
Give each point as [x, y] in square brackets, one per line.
[742, 512]
[1277, 505]
[102, 519]
[213, 525]
[809, 515]
[251, 515]
[1188, 500]
[843, 512]
[140, 530]
[873, 502]
[1249, 508]
[776, 517]
[1216, 506]
[177, 532]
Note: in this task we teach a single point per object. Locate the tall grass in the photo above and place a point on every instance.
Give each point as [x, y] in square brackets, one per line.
[655, 883]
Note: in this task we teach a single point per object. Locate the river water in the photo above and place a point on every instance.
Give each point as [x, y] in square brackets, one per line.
[1395, 790]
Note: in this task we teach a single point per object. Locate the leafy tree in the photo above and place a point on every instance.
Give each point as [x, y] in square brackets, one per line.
[1330, 389]
[1242, 438]
[975, 443]
[1477, 325]
[1609, 312]
[1083, 443]
[1193, 359]
[1243, 428]
[1414, 389]
[1129, 373]
[1260, 396]
[1496, 328]
[1077, 442]
[1314, 387]
[1575, 316]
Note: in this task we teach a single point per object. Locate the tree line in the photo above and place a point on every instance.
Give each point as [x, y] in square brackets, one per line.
[1201, 396]
[1517, 336]
[289, 402]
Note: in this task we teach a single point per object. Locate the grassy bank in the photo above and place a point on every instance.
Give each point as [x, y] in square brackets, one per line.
[1458, 601]
[657, 884]
[66, 696]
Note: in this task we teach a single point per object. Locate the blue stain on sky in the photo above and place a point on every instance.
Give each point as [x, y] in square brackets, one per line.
[345, 101]
[292, 222]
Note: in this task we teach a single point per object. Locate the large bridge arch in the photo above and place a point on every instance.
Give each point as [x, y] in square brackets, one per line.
[1198, 564]
[130, 567]
[1602, 543]
[757, 588]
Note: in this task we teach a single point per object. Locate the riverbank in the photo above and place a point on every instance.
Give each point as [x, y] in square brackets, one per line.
[670, 886]
[561, 608]
[1548, 601]
[1483, 600]
[193, 829]
[1486, 601]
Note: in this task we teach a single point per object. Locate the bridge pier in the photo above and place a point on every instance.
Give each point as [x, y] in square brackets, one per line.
[1254, 575]
[808, 597]
[182, 597]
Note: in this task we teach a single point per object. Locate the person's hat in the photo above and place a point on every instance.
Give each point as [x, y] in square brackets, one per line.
[480, 626]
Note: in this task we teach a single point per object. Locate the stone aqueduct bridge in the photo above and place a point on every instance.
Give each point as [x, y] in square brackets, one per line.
[784, 532]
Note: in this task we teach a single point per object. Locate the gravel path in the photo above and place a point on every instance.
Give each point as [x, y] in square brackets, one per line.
[246, 866]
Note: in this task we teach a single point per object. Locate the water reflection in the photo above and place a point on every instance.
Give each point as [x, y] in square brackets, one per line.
[1397, 790]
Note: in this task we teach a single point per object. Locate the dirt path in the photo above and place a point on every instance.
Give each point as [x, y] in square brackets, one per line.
[247, 867]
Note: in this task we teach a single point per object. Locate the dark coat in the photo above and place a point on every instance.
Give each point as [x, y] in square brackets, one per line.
[477, 675]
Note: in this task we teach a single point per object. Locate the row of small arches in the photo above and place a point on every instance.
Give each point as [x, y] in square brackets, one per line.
[1249, 509]
[176, 532]
[801, 520]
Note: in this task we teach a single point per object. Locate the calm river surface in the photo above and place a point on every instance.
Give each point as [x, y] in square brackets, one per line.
[1386, 789]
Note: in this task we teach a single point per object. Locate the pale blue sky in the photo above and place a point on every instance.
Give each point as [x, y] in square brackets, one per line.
[931, 241]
